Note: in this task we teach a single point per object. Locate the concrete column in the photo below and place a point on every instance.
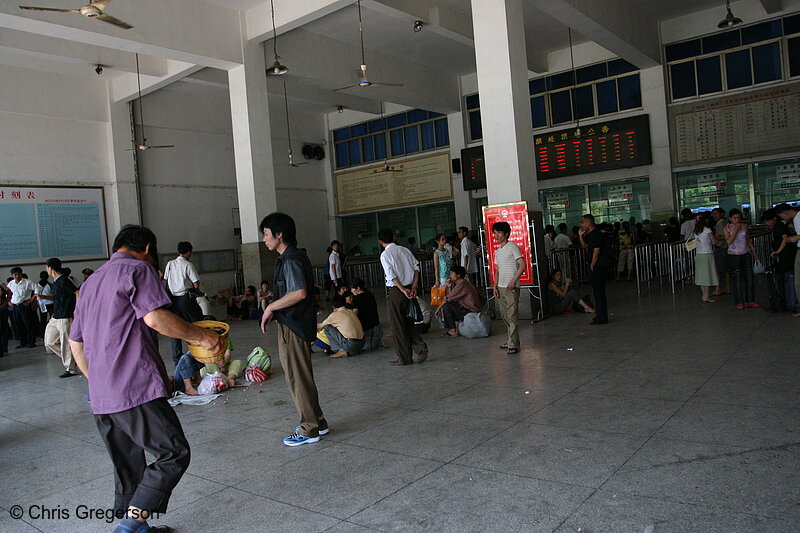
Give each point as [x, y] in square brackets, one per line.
[122, 195]
[461, 198]
[252, 150]
[502, 68]
[654, 99]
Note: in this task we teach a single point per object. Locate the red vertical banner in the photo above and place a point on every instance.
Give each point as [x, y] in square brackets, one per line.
[516, 215]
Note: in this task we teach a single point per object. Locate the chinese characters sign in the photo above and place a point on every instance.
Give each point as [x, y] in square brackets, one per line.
[37, 223]
[614, 144]
[516, 215]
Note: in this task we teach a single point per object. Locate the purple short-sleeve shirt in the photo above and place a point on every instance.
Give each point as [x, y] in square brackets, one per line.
[125, 368]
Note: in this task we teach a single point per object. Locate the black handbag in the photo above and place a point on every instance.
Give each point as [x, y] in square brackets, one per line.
[414, 312]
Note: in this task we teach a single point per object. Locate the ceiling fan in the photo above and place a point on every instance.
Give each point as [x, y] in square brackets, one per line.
[143, 146]
[386, 167]
[289, 130]
[95, 10]
[363, 80]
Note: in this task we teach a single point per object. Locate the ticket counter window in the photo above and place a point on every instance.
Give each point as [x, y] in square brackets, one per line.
[435, 219]
[402, 221]
[616, 201]
[564, 205]
[725, 187]
[360, 235]
[776, 182]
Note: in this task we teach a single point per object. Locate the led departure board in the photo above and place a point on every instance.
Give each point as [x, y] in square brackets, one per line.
[603, 146]
[473, 168]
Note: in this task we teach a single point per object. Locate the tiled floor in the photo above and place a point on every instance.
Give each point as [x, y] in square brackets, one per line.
[676, 417]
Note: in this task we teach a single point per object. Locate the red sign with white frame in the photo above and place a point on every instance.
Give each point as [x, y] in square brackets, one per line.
[516, 214]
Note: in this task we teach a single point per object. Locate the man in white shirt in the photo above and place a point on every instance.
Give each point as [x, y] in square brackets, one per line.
[509, 265]
[182, 282]
[23, 298]
[335, 267]
[549, 236]
[563, 241]
[788, 212]
[687, 228]
[402, 276]
[468, 258]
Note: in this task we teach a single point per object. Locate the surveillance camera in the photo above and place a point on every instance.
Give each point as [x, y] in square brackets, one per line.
[99, 69]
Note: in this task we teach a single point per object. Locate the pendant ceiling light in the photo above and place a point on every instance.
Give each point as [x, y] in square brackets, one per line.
[729, 21]
[277, 68]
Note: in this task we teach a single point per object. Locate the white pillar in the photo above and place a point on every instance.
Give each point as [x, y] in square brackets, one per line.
[505, 101]
[252, 151]
[122, 195]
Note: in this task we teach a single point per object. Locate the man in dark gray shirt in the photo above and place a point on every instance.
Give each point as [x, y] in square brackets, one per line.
[294, 309]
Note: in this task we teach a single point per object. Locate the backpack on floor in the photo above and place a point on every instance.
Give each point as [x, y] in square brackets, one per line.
[259, 357]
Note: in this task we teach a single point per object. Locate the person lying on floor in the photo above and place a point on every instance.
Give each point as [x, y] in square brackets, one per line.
[462, 299]
[341, 333]
[561, 296]
[189, 371]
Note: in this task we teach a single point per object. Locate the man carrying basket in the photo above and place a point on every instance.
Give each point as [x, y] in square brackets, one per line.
[114, 343]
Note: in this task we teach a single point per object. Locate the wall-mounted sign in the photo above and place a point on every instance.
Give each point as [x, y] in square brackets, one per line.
[788, 176]
[473, 168]
[608, 145]
[620, 194]
[557, 201]
[733, 126]
[37, 223]
[516, 215]
[713, 183]
[424, 179]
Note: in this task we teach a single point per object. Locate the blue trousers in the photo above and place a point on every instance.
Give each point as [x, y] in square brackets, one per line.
[185, 369]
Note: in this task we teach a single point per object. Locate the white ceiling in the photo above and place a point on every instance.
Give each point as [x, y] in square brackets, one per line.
[388, 31]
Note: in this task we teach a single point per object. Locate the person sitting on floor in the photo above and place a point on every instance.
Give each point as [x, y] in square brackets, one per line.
[239, 307]
[561, 295]
[341, 332]
[189, 372]
[462, 299]
[367, 309]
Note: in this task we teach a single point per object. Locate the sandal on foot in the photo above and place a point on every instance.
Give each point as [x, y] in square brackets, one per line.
[512, 351]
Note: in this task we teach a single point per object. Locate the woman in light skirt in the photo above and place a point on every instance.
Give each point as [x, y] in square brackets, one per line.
[705, 270]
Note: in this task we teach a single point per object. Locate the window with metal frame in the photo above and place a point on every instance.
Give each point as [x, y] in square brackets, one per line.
[764, 52]
[409, 132]
[585, 93]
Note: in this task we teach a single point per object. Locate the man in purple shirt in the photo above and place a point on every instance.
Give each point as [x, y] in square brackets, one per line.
[114, 342]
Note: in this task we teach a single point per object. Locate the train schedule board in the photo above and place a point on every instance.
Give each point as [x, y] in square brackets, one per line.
[613, 144]
[516, 214]
[37, 223]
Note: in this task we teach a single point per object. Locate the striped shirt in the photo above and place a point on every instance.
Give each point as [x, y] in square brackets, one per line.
[506, 260]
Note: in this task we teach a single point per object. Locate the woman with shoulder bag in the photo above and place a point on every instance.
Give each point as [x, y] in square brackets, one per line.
[705, 271]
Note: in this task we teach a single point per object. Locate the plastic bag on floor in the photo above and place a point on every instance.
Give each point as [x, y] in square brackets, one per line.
[212, 384]
[475, 325]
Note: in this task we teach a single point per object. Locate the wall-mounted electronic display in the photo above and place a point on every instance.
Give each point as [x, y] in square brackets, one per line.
[622, 143]
[473, 168]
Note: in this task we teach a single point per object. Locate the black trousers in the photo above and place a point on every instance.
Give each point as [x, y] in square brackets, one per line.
[598, 279]
[153, 427]
[186, 308]
[5, 332]
[27, 324]
[453, 313]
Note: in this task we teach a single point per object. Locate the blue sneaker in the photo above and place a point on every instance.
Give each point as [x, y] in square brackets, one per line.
[296, 439]
[321, 431]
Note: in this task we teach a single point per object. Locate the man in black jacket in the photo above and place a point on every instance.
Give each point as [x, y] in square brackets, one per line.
[295, 311]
